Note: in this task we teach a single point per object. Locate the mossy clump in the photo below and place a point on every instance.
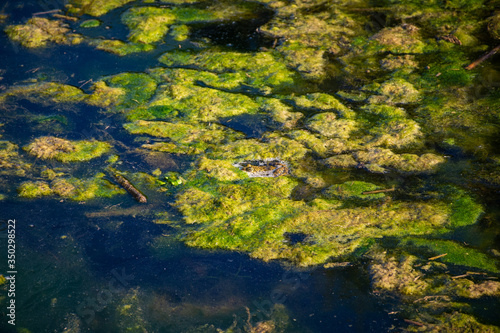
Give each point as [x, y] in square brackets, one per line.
[394, 91]
[328, 125]
[105, 96]
[259, 70]
[119, 47]
[49, 147]
[36, 189]
[94, 7]
[354, 190]
[93, 23]
[147, 24]
[404, 39]
[323, 103]
[39, 31]
[10, 161]
[138, 88]
[46, 93]
[456, 253]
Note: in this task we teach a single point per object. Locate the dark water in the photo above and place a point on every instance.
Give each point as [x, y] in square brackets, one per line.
[75, 271]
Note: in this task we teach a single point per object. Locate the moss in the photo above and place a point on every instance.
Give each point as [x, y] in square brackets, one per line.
[46, 93]
[261, 69]
[395, 91]
[456, 253]
[31, 189]
[93, 23]
[39, 31]
[94, 7]
[465, 211]
[220, 169]
[326, 124]
[399, 40]
[179, 32]
[378, 159]
[138, 87]
[353, 190]
[10, 161]
[322, 102]
[147, 24]
[119, 47]
[49, 147]
[182, 133]
[274, 146]
[281, 115]
[105, 96]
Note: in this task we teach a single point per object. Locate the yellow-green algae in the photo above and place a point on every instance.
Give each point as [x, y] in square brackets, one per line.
[428, 295]
[71, 188]
[94, 7]
[254, 215]
[39, 31]
[10, 161]
[49, 147]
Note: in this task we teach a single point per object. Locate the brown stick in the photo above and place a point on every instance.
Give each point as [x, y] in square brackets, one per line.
[416, 323]
[459, 276]
[437, 257]
[483, 58]
[47, 12]
[379, 191]
[66, 17]
[130, 189]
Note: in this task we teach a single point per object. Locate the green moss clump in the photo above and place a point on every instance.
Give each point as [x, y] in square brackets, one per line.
[10, 161]
[49, 147]
[46, 93]
[94, 7]
[39, 31]
[326, 124]
[261, 69]
[105, 96]
[119, 47]
[456, 253]
[147, 24]
[465, 211]
[282, 115]
[179, 32]
[90, 23]
[395, 91]
[138, 87]
[322, 102]
[399, 40]
[34, 189]
[353, 190]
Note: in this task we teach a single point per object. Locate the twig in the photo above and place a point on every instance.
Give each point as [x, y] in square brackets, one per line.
[379, 191]
[459, 276]
[437, 257]
[47, 12]
[483, 58]
[416, 323]
[84, 83]
[66, 17]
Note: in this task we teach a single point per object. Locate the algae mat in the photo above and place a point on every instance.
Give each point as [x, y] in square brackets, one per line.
[374, 126]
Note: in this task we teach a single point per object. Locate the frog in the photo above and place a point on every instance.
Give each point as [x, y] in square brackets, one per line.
[264, 168]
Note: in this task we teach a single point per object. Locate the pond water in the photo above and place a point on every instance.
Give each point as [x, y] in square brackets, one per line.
[110, 264]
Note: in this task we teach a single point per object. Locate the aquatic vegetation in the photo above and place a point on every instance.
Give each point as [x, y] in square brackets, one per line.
[354, 190]
[45, 93]
[138, 88]
[119, 47]
[34, 189]
[105, 96]
[93, 23]
[49, 147]
[10, 161]
[430, 297]
[94, 7]
[328, 125]
[39, 31]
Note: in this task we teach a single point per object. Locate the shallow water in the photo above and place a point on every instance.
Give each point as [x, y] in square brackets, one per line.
[76, 270]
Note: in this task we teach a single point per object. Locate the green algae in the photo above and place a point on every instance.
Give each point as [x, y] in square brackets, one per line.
[354, 190]
[328, 125]
[34, 189]
[11, 162]
[77, 189]
[45, 93]
[39, 31]
[49, 147]
[119, 47]
[94, 7]
[456, 253]
[93, 23]
[147, 24]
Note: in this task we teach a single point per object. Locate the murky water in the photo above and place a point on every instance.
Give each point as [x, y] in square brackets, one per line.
[80, 269]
